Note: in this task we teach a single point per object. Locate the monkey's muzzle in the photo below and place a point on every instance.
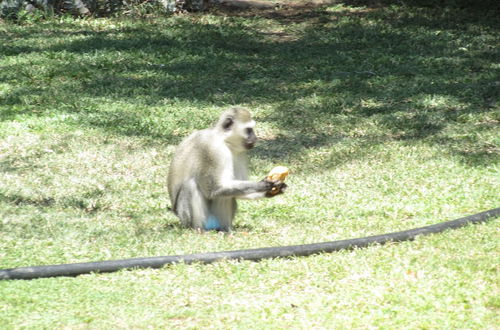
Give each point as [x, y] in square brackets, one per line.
[249, 145]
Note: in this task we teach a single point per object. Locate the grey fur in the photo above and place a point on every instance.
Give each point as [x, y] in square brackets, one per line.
[209, 171]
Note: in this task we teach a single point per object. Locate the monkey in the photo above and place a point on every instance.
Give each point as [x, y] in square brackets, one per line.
[209, 171]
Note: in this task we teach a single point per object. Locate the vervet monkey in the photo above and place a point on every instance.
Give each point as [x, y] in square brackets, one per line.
[209, 171]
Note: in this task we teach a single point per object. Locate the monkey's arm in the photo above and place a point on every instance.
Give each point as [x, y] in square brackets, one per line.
[242, 189]
[225, 175]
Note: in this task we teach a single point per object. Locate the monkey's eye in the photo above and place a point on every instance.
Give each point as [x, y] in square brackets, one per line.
[227, 123]
[249, 131]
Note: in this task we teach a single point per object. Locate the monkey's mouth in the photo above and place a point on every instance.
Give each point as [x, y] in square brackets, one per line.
[249, 145]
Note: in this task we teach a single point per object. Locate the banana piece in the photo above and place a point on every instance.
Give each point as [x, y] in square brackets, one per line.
[279, 173]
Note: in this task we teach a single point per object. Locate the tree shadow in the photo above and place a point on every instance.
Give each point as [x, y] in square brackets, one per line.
[409, 73]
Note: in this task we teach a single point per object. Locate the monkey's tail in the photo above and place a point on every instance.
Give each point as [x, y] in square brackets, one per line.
[251, 254]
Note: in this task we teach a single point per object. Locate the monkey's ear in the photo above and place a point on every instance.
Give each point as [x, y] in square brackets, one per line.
[228, 123]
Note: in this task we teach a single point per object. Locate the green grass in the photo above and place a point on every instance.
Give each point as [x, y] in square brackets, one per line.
[388, 117]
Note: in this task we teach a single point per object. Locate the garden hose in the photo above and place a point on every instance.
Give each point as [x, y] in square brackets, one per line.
[250, 254]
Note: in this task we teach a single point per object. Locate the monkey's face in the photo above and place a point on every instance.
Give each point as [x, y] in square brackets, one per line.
[240, 136]
[250, 138]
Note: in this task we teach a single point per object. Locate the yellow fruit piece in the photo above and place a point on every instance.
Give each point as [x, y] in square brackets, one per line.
[279, 173]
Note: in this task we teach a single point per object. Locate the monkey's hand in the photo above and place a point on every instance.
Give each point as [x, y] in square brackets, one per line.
[275, 187]
[277, 176]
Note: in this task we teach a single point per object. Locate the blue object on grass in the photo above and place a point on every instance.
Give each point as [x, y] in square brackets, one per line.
[212, 223]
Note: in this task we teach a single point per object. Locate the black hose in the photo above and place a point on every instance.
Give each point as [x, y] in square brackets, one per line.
[251, 254]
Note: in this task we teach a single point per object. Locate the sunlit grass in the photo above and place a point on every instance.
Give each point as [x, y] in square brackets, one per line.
[387, 117]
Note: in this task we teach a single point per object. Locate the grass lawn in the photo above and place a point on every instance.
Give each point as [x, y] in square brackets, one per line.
[388, 117]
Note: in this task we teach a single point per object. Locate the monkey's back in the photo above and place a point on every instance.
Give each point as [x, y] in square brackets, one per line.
[200, 147]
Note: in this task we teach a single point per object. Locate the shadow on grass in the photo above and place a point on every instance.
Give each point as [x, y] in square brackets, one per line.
[412, 73]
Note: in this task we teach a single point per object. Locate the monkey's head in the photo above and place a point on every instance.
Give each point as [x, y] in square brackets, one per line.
[237, 126]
